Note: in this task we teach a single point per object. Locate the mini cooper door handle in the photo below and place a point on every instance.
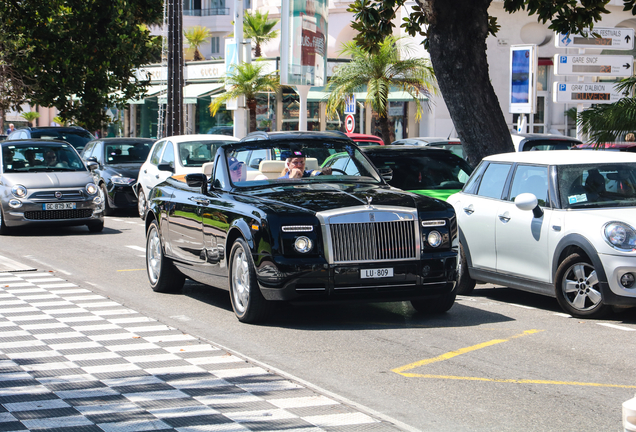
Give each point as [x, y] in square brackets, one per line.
[504, 217]
[469, 209]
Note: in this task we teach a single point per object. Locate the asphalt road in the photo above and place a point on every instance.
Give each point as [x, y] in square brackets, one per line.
[499, 360]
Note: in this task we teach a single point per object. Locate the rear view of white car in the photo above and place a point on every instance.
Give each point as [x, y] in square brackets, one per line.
[175, 155]
[558, 223]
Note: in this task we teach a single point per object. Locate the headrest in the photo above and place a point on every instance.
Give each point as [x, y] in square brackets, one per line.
[271, 166]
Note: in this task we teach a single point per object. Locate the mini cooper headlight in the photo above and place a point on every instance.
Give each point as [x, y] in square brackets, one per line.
[303, 244]
[19, 191]
[434, 238]
[91, 188]
[620, 236]
[122, 180]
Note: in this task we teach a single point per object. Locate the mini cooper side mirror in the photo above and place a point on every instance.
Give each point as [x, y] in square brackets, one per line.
[165, 167]
[527, 201]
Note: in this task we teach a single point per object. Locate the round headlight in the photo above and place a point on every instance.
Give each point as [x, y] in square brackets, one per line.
[434, 238]
[620, 236]
[19, 191]
[303, 244]
[15, 203]
[91, 188]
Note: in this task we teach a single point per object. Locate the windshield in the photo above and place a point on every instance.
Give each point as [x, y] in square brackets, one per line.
[417, 172]
[196, 153]
[599, 185]
[308, 161]
[76, 138]
[39, 158]
[126, 152]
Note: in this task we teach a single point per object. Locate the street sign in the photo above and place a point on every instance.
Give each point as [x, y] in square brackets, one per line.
[350, 123]
[614, 38]
[350, 104]
[580, 92]
[593, 65]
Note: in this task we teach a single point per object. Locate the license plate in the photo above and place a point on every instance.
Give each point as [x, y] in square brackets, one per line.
[376, 273]
[59, 206]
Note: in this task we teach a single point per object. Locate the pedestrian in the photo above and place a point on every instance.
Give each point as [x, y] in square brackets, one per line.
[11, 128]
[630, 137]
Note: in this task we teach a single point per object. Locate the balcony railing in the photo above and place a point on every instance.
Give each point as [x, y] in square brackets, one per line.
[207, 12]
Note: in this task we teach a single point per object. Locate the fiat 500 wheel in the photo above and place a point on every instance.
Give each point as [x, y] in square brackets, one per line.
[247, 300]
[4, 229]
[577, 288]
[163, 275]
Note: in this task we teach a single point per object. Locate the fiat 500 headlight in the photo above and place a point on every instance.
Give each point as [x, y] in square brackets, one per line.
[91, 188]
[620, 236]
[19, 191]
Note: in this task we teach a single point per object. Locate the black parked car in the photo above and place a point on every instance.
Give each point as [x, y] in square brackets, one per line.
[323, 237]
[119, 161]
[74, 135]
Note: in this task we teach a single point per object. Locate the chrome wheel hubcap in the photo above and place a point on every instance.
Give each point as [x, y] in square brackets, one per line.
[240, 281]
[580, 287]
[141, 203]
[153, 256]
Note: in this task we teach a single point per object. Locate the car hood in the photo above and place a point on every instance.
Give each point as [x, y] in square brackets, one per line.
[42, 180]
[328, 196]
[124, 170]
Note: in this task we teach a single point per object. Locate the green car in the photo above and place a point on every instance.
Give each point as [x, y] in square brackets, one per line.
[430, 171]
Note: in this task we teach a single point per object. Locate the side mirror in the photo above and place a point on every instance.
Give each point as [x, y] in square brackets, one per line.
[197, 180]
[527, 202]
[386, 173]
[92, 165]
[92, 159]
[165, 167]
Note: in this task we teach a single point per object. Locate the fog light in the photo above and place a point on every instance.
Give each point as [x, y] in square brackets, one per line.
[303, 244]
[14, 203]
[434, 238]
[627, 280]
[97, 200]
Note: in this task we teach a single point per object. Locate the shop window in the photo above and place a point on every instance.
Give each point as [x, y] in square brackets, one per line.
[215, 45]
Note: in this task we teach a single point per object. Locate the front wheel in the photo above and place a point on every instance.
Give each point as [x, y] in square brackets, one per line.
[437, 305]
[163, 275]
[108, 210]
[141, 203]
[465, 284]
[4, 229]
[247, 300]
[578, 289]
[96, 226]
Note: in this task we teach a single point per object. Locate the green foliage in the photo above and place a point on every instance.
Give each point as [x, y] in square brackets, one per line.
[259, 28]
[88, 49]
[196, 36]
[30, 115]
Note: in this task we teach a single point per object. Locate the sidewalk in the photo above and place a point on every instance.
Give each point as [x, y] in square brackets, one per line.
[74, 361]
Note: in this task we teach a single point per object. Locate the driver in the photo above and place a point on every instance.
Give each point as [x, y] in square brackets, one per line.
[295, 166]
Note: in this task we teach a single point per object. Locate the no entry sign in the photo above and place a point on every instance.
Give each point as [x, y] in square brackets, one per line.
[350, 123]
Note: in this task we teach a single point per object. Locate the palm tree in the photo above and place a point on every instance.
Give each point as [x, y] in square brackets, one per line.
[258, 27]
[379, 74]
[609, 122]
[247, 80]
[29, 116]
[196, 36]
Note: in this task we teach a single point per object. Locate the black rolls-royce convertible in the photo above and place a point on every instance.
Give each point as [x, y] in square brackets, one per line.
[267, 222]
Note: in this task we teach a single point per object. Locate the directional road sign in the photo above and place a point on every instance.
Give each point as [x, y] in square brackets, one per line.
[580, 92]
[593, 65]
[614, 38]
[350, 123]
[350, 104]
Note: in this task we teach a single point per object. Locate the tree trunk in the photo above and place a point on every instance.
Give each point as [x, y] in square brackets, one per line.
[457, 38]
[385, 128]
[251, 104]
[257, 50]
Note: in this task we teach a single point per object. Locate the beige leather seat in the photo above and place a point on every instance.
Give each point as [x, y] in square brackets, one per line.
[271, 168]
[207, 168]
[311, 164]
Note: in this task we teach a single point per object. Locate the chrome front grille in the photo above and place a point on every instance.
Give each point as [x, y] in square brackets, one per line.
[373, 241]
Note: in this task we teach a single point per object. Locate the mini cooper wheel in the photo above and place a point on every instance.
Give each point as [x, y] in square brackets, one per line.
[577, 288]
[4, 229]
[247, 300]
[108, 210]
[141, 203]
[465, 284]
[437, 305]
[163, 275]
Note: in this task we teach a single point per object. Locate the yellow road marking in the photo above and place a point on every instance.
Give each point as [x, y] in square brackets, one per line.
[132, 270]
[452, 354]
[402, 370]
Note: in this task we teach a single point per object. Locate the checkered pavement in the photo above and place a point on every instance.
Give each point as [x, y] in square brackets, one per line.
[74, 361]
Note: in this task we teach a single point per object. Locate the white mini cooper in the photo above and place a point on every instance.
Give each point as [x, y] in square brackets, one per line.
[559, 223]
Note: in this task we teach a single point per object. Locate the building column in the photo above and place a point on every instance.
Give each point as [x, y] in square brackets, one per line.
[322, 116]
[279, 110]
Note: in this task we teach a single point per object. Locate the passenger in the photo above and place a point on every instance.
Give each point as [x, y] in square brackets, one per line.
[237, 169]
[50, 160]
[295, 166]
[30, 157]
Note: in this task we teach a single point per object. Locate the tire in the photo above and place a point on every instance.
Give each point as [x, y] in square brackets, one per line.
[95, 227]
[108, 210]
[247, 300]
[576, 288]
[465, 284]
[435, 306]
[162, 274]
[4, 229]
[141, 203]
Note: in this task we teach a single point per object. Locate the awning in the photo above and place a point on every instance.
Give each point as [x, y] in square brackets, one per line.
[192, 91]
[317, 94]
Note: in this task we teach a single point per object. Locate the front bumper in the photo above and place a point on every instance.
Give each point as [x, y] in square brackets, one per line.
[615, 267]
[122, 197]
[313, 280]
[31, 213]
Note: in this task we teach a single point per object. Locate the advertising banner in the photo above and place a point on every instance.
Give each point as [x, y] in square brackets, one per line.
[523, 78]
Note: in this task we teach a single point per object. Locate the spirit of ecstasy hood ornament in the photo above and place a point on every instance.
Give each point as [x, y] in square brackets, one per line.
[369, 199]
